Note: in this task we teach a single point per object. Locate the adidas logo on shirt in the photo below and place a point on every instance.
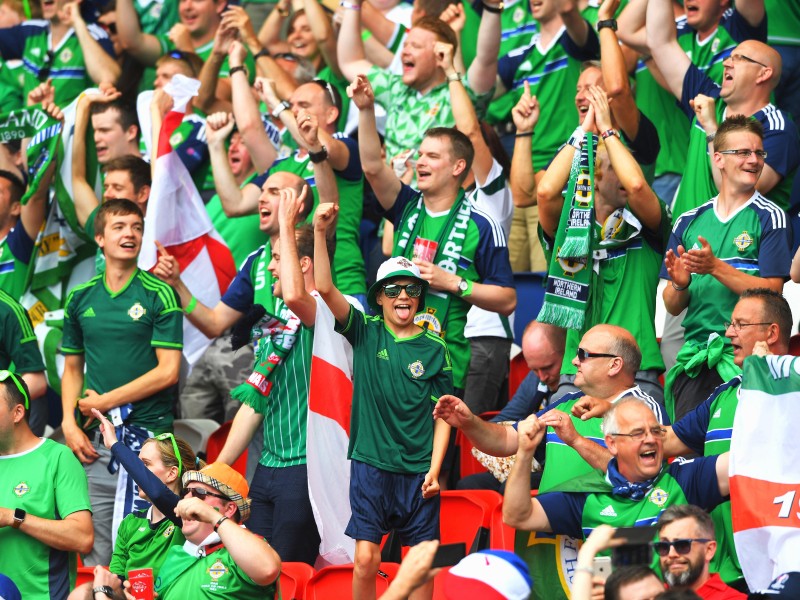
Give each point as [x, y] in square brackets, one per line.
[89, 312]
[608, 511]
[717, 414]
[383, 354]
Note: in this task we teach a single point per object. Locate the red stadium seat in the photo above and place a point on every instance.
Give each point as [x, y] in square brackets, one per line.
[85, 575]
[294, 578]
[794, 345]
[466, 517]
[468, 465]
[215, 444]
[501, 536]
[337, 582]
[517, 371]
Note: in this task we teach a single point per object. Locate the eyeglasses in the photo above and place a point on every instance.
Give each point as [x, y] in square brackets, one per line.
[639, 434]
[202, 493]
[737, 58]
[171, 438]
[414, 290]
[760, 154]
[9, 375]
[738, 325]
[584, 355]
[682, 546]
[44, 72]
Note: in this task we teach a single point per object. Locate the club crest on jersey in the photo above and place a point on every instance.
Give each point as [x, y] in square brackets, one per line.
[434, 110]
[136, 312]
[743, 241]
[658, 497]
[518, 15]
[168, 531]
[217, 570]
[417, 370]
[21, 489]
[65, 55]
[715, 45]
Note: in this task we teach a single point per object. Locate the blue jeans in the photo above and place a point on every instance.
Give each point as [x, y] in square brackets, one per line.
[281, 512]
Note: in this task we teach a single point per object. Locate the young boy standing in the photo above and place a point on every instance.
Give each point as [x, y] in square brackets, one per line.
[396, 448]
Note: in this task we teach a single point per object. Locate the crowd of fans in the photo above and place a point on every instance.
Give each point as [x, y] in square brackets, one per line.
[388, 166]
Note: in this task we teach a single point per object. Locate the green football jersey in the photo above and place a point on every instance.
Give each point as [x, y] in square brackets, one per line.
[410, 114]
[708, 54]
[18, 345]
[144, 315]
[12, 81]
[211, 577]
[16, 251]
[673, 126]
[753, 240]
[156, 16]
[348, 264]
[287, 409]
[396, 382]
[783, 24]
[47, 482]
[242, 234]
[626, 289]
[142, 545]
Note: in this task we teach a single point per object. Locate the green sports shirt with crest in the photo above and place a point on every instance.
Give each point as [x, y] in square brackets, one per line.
[396, 382]
[119, 333]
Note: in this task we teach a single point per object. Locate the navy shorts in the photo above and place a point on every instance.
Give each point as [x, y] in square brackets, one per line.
[381, 501]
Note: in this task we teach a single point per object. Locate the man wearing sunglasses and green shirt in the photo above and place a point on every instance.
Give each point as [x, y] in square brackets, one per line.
[44, 503]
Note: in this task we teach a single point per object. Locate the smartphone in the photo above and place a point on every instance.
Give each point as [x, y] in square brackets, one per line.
[602, 566]
[448, 555]
[637, 549]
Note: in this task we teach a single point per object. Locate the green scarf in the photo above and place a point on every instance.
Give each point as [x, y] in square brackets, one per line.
[692, 357]
[276, 335]
[570, 274]
[44, 132]
[448, 254]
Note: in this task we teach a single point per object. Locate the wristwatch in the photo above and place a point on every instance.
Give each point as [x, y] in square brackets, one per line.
[496, 9]
[610, 23]
[19, 517]
[103, 589]
[280, 108]
[318, 157]
[464, 287]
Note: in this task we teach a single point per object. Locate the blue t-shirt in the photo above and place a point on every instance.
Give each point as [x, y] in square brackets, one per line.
[697, 479]
[240, 294]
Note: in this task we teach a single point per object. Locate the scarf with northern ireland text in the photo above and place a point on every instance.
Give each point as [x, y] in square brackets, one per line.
[276, 334]
[44, 133]
[448, 254]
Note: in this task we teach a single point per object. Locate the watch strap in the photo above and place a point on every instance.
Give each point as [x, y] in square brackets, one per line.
[610, 23]
[318, 157]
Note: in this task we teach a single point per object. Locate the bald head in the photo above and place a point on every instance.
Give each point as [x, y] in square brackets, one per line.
[766, 55]
[543, 349]
[619, 342]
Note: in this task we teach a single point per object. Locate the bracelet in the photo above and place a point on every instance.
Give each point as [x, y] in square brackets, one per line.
[577, 138]
[610, 23]
[233, 70]
[454, 77]
[495, 9]
[710, 137]
[608, 133]
[261, 53]
[220, 522]
[680, 289]
[524, 134]
[280, 108]
[103, 589]
[349, 5]
[588, 570]
[191, 306]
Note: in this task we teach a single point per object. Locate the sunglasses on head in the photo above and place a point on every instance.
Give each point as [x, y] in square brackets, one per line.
[392, 290]
[171, 438]
[682, 546]
[9, 375]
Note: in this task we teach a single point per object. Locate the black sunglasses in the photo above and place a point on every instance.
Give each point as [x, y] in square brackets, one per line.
[682, 546]
[392, 290]
[202, 493]
[584, 354]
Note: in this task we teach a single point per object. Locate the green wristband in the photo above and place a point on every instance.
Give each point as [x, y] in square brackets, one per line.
[191, 306]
